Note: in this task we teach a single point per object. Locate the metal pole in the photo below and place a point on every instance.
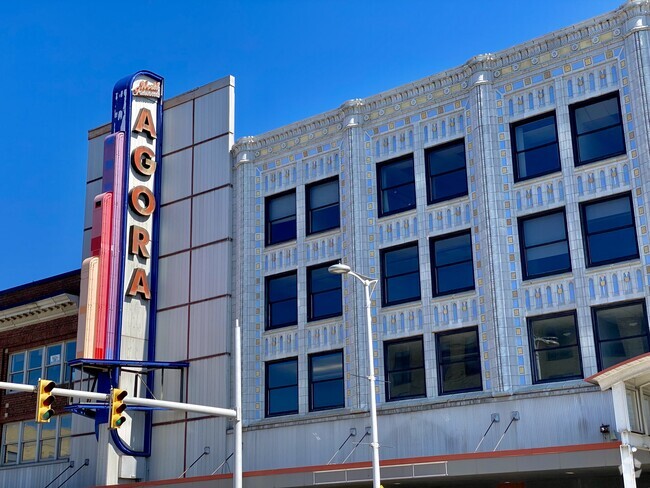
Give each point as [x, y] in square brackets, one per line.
[373, 400]
[237, 475]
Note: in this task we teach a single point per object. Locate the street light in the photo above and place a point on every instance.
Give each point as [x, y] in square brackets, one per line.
[369, 286]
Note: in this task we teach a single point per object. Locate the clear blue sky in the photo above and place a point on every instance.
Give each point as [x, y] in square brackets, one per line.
[291, 59]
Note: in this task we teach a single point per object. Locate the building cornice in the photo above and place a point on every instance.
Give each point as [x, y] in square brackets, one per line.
[479, 69]
[39, 311]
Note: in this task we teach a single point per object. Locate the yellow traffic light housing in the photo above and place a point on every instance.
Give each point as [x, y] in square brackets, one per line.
[44, 400]
[117, 407]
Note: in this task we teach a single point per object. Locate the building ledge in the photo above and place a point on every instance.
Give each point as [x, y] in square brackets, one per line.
[38, 311]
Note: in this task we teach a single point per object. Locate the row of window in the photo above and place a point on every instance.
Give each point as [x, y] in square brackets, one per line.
[609, 237]
[322, 211]
[459, 370]
[620, 332]
[47, 362]
[608, 229]
[29, 442]
[597, 131]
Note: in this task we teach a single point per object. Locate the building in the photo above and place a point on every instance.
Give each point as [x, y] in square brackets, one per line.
[501, 205]
[38, 331]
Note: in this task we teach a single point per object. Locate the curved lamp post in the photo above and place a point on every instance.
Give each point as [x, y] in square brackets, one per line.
[369, 286]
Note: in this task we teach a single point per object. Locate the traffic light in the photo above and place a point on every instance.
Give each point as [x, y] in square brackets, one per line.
[117, 407]
[44, 400]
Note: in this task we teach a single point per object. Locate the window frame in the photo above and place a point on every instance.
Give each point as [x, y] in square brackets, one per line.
[312, 383]
[434, 267]
[267, 390]
[64, 374]
[309, 209]
[594, 321]
[380, 189]
[38, 442]
[575, 135]
[310, 295]
[523, 248]
[427, 155]
[267, 302]
[515, 153]
[384, 278]
[268, 241]
[439, 363]
[534, 350]
[387, 372]
[585, 236]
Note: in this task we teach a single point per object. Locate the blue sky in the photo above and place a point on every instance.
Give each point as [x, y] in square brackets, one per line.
[291, 59]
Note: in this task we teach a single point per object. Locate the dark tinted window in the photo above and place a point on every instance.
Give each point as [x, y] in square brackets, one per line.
[404, 364]
[459, 362]
[535, 147]
[322, 206]
[544, 245]
[396, 183]
[622, 333]
[324, 289]
[609, 231]
[281, 218]
[597, 129]
[452, 264]
[326, 381]
[282, 387]
[447, 173]
[281, 301]
[400, 274]
[554, 346]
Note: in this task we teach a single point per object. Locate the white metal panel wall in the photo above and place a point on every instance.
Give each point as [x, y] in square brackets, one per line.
[166, 461]
[177, 127]
[175, 227]
[176, 176]
[211, 271]
[93, 189]
[211, 216]
[95, 166]
[85, 249]
[206, 433]
[212, 164]
[209, 327]
[209, 382]
[171, 334]
[173, 279]
[545, 421]
[214, 114]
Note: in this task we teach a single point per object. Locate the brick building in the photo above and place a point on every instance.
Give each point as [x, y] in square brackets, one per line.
[38, 328]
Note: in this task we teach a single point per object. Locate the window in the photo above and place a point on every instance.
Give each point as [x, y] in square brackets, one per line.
[609, 233]
[621, 332]
[400, 274]
[326, 381]
[322, 206]
[28, 442]
[544, 245]
[554, 347]
[324, 293]
[396, 183]
[446, 170]
[452, 265]
[48, 362]
[534, 147]
[597, 129]
[282, 387]
[404, 365]
[459, 362]
[280, 218]
[281, 300]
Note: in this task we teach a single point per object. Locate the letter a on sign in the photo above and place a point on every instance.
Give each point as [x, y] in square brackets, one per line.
[139, 284]
[144, 123]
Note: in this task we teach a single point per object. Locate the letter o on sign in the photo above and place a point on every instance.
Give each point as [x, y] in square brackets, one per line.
[142, 201]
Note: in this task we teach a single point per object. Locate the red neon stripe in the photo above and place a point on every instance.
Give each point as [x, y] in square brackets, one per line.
[102, 218]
